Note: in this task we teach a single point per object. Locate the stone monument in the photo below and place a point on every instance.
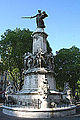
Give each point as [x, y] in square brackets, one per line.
[38, 95]
[39, 79]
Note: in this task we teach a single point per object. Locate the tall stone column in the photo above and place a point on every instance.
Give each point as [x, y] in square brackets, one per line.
[39, 40]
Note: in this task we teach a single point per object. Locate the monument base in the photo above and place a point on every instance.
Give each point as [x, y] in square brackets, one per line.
[39, 113]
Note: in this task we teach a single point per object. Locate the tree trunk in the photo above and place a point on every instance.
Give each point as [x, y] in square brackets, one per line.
[21, 81]
[73, 89]
[14, 81]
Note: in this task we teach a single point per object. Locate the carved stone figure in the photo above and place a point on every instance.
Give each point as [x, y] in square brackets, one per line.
[9, 89]
[39, 59]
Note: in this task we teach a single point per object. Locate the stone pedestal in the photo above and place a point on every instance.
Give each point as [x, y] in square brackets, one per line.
[39, 79]
[37, 86]
[39, 40]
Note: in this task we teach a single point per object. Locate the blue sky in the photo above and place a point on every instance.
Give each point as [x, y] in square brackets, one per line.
[62, 24]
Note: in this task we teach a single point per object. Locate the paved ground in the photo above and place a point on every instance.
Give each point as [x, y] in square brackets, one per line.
[6, 117]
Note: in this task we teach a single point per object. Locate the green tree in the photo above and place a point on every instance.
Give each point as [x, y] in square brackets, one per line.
[13, 45]
[67, 67]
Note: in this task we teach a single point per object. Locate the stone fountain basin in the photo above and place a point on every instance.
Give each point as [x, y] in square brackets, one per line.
[39, 113]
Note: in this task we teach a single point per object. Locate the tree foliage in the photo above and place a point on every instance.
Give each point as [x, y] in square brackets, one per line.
[67, 67]
[13, 45]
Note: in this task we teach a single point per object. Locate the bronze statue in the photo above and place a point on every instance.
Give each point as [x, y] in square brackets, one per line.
[39, 18]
